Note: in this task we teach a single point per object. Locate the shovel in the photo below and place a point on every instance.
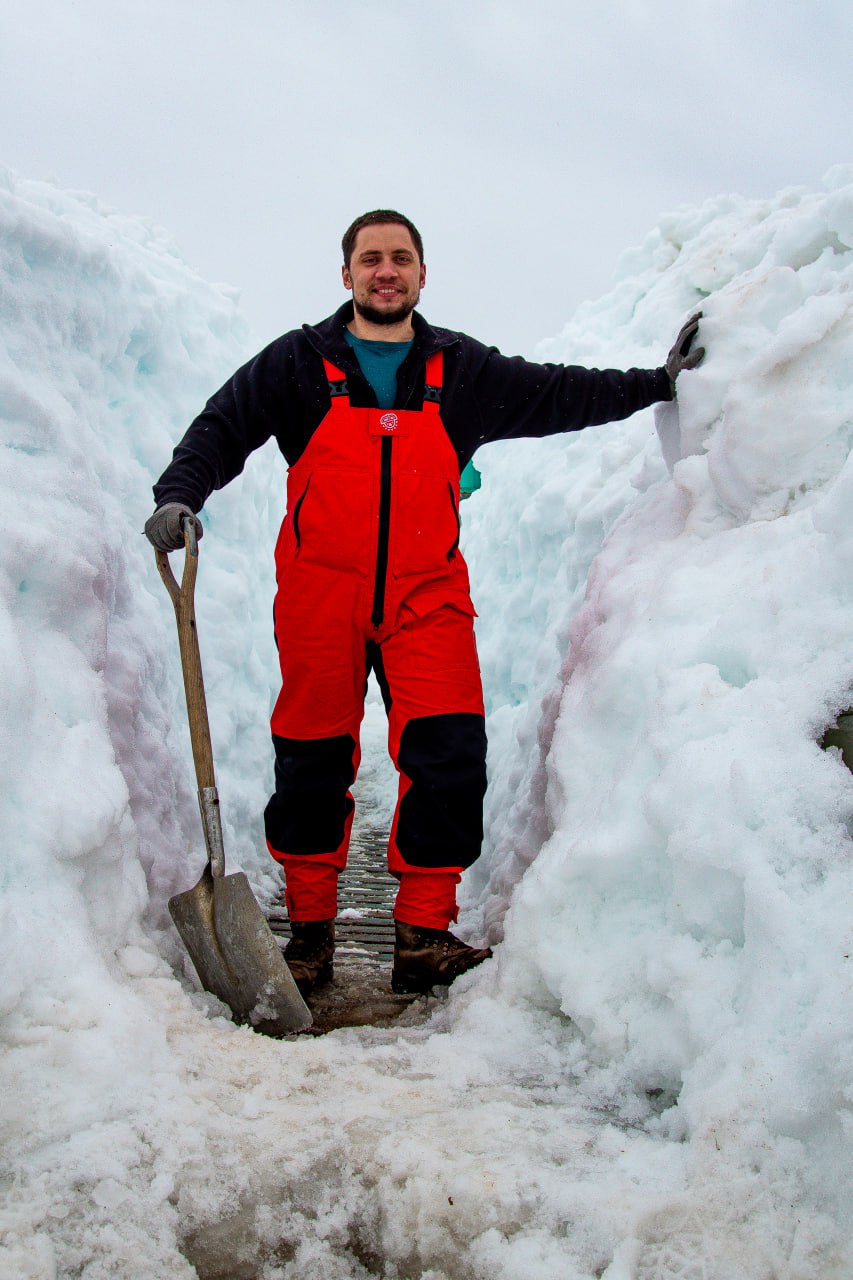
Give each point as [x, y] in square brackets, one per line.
[219, 920]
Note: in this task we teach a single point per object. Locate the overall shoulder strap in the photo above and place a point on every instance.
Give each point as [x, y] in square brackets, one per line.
[337, 381]
[433, 382]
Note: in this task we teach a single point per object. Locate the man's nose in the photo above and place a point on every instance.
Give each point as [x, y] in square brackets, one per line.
[387, 268]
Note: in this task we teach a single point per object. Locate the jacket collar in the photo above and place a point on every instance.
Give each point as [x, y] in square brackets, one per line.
[328, 339]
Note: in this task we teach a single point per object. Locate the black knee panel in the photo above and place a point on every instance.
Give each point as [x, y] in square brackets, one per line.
[441, 815]
[309, 810]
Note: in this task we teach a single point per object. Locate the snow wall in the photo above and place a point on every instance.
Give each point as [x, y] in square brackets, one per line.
[654, 1076]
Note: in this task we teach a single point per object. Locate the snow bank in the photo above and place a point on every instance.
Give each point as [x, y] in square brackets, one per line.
[108, 344]
[653, 1079]
[691, 898]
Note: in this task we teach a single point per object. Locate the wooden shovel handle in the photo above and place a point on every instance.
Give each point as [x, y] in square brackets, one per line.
[183, 599]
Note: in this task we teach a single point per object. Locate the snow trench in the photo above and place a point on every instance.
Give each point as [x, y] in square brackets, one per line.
[653, 1077]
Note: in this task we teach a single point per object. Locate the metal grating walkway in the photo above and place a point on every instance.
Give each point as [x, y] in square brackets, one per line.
[366, 891]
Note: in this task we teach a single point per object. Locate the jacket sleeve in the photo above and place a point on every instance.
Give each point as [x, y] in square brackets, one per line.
[516, 398]
[239, 418]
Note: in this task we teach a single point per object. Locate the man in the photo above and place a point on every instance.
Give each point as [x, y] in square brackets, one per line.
[377, 413]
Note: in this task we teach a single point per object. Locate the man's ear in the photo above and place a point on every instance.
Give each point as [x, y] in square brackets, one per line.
[346, 277]
[423, 274]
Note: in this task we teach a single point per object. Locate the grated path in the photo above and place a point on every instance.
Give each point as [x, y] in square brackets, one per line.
[365, 923]
[360, 993]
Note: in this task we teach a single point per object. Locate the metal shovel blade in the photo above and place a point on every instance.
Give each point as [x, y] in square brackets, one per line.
[235, 954]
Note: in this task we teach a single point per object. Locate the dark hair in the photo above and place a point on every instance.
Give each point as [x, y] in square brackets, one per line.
[378, 217]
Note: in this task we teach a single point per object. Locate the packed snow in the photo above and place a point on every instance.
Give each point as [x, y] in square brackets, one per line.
[653, 1078]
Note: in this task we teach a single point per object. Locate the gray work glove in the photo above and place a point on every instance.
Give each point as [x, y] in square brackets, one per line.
[681, 357]
[165, 529]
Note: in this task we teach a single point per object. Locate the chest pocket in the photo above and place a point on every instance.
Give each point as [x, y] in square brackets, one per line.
[425, 536]
[329, 514]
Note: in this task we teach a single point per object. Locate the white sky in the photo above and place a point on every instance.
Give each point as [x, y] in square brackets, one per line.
[532, 141]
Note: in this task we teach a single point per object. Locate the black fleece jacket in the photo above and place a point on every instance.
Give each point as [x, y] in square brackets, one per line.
[283, 392]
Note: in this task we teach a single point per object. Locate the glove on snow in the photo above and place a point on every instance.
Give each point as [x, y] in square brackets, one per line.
[678, 358]
[165, 529]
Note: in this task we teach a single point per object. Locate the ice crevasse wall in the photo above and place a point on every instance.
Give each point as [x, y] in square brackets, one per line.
[665, 634]
[108, 344]
[673, 844]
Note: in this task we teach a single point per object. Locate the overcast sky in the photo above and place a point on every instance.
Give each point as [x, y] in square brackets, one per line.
[532, 141]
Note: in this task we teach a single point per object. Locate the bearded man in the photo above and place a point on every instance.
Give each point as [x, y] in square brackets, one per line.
[377, 413]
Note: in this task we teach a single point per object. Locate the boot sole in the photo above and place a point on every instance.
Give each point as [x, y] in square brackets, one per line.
[402, 987]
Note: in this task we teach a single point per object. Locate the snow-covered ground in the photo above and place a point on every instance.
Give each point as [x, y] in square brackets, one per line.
[654, 1077]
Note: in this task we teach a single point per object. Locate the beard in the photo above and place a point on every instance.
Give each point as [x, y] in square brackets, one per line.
[374, 316]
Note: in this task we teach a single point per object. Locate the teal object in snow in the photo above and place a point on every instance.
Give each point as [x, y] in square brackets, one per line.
[470, 481]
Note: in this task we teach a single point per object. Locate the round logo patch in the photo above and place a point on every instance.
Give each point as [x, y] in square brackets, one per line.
[388, 422]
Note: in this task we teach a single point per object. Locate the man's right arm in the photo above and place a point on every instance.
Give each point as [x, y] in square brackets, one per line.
[239, 418]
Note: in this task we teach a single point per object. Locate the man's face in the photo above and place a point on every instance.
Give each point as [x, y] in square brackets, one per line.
[385, 274]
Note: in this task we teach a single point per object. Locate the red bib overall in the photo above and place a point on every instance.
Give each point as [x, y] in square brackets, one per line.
[370, 577]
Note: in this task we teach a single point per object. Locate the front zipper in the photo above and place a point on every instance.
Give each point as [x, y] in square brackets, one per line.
[384, 533]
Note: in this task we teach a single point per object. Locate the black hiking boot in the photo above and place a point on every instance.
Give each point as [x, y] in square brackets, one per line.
[309, 953]
[427, 958]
